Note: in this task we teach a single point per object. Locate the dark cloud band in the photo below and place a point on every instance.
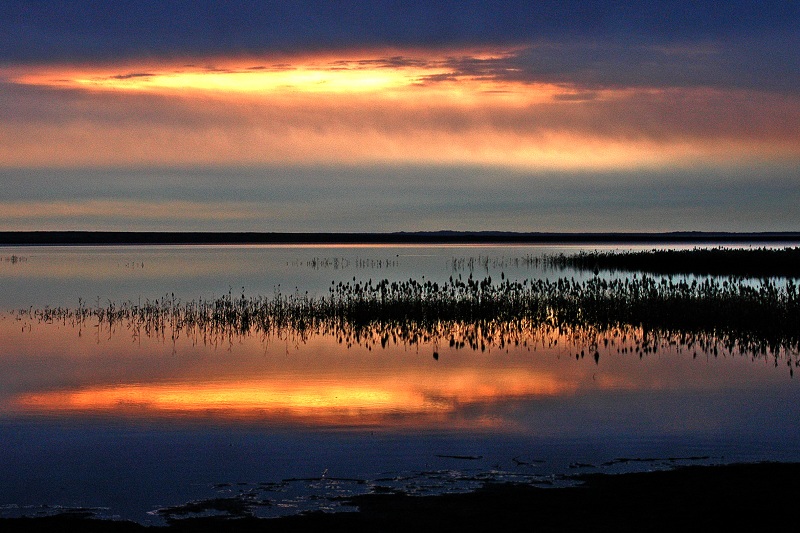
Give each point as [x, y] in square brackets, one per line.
[48, 30]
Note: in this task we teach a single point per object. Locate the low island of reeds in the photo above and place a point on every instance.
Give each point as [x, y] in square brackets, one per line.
[741, 262]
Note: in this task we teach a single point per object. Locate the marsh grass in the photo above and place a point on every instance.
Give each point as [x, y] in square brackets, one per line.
[639, 315]
[486, 263]
[343, 263]
[744, 262]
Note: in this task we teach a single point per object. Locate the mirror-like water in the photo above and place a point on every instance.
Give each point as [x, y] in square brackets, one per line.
[128, 416]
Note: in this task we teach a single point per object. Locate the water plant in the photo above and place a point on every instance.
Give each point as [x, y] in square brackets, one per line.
[484, 262]
[598, 315]
[745, 262]
[343, 263]
[14, 259]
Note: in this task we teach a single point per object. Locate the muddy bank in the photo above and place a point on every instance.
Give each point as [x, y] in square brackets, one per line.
[709, 498]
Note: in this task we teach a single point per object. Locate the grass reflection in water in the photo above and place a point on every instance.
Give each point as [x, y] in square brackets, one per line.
[640, 314]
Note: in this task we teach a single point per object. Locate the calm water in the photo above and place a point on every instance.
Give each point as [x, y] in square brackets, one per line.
[127, 422]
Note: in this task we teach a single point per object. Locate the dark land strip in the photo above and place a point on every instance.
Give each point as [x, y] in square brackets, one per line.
[30, 238]
[749, 497]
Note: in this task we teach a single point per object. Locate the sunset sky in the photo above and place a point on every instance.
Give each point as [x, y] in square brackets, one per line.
[400, 116]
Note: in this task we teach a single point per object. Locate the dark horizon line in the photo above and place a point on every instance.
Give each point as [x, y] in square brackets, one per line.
[54, 238]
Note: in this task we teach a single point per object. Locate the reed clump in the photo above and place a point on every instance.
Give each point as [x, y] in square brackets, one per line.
[709, 315]
[485, 262]
[14, 259]
[744, 262]
[343, 263]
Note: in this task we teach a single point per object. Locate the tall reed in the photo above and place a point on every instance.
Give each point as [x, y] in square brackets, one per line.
[712, 314]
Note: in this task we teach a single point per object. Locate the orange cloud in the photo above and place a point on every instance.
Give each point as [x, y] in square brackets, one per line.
[361, 108]
[380, 74]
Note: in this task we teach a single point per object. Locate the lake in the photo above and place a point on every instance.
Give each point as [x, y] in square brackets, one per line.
[166, 419]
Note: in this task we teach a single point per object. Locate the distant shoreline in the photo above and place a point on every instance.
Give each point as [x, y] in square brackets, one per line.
[110, 238]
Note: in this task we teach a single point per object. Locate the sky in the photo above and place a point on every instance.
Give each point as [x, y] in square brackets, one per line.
[400, 116]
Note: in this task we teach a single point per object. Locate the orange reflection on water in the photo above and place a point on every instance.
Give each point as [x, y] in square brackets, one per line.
[342, 400]
[64, 369]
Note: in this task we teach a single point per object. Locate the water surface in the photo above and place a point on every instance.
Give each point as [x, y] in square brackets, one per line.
[127, 422]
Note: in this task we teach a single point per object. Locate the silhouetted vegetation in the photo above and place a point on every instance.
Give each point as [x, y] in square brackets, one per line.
[640, 315]
[485, 263]
[14, 259]
[754, 263]
[343, 263]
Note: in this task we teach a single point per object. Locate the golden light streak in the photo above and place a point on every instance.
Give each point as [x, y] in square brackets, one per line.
[415, 77]
[247, 144]
[341, 401]
[303, 79]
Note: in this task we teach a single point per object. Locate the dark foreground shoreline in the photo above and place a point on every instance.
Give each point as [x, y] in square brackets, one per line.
[93, 238]
[756, 497]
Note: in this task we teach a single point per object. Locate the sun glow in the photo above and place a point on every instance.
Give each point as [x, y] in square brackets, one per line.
[417, 77]
[300, 79]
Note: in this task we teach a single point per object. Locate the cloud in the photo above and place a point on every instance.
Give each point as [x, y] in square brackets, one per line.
[527, 126]
[766, 63]
[83, 30]
[394, 198]
[133, 75]
[400, 115]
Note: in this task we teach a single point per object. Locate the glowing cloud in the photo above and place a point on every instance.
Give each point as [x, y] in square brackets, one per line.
[498, 107]
[468, 78]
[256, 80]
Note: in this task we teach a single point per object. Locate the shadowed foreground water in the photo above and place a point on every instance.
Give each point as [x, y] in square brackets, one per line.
[687, 499]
